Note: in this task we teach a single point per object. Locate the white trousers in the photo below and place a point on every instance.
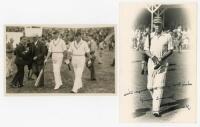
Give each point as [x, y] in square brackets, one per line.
[156, 83]
[78, 63]
[57, 59]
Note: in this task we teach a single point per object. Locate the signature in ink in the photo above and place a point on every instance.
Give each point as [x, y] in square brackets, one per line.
[187, 106]
[128, 93]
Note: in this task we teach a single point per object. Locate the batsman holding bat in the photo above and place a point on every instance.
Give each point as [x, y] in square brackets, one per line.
[158, 49]
[57, 47]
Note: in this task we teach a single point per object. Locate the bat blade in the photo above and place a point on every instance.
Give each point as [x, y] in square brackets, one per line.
[157, 66]
[40, 74]
[39, 77]
[69, 67]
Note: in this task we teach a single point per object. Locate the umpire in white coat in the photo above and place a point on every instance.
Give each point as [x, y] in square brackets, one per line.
[78, 50]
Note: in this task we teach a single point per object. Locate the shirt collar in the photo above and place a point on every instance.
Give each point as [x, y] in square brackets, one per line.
[157, 35]
[56, 41]
[77, 44]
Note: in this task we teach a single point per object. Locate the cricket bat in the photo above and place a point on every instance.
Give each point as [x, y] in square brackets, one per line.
[69, 67]
[157, 66]
[40, 75]
[68, 64]
[165, 56]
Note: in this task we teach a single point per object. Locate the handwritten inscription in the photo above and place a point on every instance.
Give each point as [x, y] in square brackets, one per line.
[187, 106]
[128, 93]
[179, 84]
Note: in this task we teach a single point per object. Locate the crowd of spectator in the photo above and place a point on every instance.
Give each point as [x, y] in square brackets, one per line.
[180, 37]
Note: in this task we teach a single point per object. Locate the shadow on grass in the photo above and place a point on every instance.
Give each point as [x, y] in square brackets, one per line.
[172, 64]
[172, 106]
[141, 112]
[171, 69]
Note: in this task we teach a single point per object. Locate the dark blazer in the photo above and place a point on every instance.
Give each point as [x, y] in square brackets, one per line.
[20, 53]
[30, 54]
[39, 51]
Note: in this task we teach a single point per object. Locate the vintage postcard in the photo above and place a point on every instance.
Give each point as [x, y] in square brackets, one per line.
[157, 62]
[59, 59]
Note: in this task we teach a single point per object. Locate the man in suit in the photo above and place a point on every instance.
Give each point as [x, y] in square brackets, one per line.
[93, 48]
[29, 58]
[38, 59]
[20, 53]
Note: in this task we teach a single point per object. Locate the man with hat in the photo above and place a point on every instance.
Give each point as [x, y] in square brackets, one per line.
[20, 62]
[29, 57]
[38, 58]
[57, 47]
[159, 48]
[78, 49]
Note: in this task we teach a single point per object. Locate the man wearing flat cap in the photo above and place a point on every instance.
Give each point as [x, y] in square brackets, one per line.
[78, 49]
[159, 47]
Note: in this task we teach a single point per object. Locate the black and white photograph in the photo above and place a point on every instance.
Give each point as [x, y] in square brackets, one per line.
[60, 59]
[99, 63]
[159, 42]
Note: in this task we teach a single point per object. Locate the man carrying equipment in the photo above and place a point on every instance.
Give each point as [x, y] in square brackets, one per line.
[158, 50]
[56, 47]
[78, 49]
[38, 59]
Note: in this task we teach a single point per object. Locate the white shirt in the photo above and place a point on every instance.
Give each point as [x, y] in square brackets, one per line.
[79, 49]
[93, 45]
[159, 44]
[57, 46]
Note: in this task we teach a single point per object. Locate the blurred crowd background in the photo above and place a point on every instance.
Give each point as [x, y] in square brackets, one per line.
[99, 34]
[180, 37]
[15, 34]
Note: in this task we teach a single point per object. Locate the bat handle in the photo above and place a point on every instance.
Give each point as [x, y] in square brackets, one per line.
[69, 67]
[45, 61]
[157, 66]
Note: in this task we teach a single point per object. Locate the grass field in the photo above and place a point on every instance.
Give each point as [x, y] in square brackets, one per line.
[105, 76]
[175, 96]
